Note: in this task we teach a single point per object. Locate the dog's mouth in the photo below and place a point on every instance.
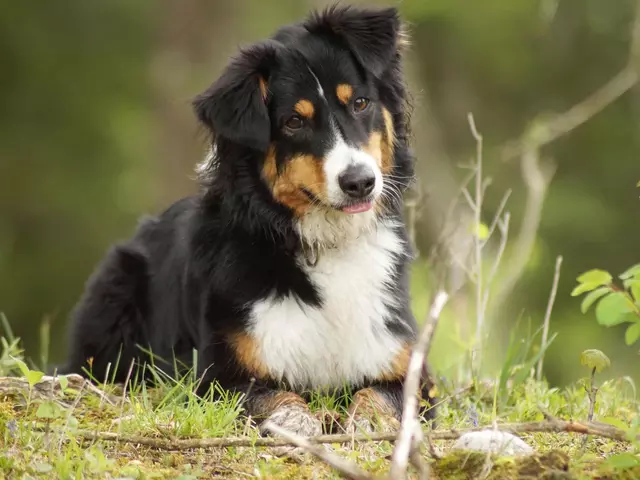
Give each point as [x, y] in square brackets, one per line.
[361, 206]
[358, 207]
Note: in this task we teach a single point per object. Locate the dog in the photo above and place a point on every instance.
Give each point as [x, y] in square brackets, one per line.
[288, 272]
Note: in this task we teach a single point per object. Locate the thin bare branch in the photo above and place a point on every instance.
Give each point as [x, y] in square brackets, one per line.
[347, 468]
[560, 125]
[547, 315]
[546, 132]
[480, 313]
[470, 202]
[411, 386]
[536, 178]
[504, 235]
[498, 215]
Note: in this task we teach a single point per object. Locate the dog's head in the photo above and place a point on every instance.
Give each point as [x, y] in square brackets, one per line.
[320, 110]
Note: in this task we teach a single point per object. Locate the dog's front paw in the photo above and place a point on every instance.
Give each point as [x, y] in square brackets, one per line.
[295, 419]
[371, 411]
[363, 423]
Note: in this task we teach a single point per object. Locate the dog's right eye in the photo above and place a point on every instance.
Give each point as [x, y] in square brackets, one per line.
[294, 122]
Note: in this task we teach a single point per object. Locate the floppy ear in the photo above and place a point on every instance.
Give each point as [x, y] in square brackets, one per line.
[235, 105]
[372, 35]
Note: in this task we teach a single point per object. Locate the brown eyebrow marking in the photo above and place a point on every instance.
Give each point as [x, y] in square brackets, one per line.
[344, 92]
[305, 108]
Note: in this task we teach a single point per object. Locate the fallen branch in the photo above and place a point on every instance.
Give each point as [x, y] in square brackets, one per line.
[347, 468]
[173, 443]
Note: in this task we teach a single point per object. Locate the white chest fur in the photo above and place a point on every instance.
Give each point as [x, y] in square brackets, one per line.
[345, 340]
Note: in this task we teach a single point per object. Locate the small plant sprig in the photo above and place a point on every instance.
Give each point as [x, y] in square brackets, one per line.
[615, 304]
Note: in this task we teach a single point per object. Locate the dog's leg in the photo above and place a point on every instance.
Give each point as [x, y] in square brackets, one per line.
[261, 401]
[379, 406]
[108, 320]
[375, 408]
[285, 409]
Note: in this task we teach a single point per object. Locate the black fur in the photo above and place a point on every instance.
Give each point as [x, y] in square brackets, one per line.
[186, 278]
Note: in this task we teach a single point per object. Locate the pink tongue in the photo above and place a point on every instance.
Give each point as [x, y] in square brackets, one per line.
[357, 208]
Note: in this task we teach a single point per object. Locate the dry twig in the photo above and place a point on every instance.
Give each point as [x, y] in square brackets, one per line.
[547, 316]
[559, 125]
[536, 178]
[347, 468]
[549, 425]
[411, 385]
[480, 312]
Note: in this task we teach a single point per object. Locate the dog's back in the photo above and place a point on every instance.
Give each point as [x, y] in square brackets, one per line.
[132, 302]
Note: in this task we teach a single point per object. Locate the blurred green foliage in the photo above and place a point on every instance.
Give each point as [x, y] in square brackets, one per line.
[96, 129]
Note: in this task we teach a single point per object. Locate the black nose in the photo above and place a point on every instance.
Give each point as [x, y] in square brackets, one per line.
[357, 181]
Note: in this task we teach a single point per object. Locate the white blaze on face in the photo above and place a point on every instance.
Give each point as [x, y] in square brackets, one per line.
[336, 162]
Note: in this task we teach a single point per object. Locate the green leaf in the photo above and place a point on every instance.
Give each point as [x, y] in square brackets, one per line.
[593, 358]
[583, 287]
[635, 291]
[48, 410]
[596, 276]
[631, 272]
[22, 366]
[64, 382]
[613, 309]
[34, 376]
[632, 334]
[72, 422]
[622, 461]
[592, 298]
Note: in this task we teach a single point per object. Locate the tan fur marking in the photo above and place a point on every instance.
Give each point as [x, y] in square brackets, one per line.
[269, 404]
[374, 147]
[269, 170]
[248, 354]
[344, 92]
[380, 145]
[399, 366]
[305, 108]
[369, 403]
[302, 171]
[387, 144]
[263, 88]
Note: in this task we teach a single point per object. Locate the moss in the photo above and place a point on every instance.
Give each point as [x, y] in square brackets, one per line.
[462, 465]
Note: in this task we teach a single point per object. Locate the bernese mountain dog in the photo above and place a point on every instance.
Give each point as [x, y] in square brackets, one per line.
[289, 272]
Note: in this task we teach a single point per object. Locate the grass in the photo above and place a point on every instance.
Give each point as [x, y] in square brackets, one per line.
[38, 436]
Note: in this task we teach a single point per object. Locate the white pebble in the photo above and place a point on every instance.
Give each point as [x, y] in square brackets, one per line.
[493, 441]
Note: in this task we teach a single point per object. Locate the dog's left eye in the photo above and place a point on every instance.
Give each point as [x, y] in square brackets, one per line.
[294, 122]
[360, 104]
